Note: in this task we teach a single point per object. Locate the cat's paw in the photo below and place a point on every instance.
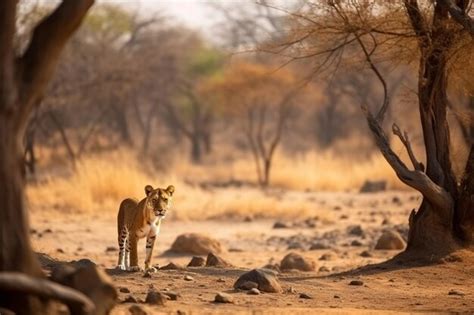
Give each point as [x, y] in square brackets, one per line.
[121, 267]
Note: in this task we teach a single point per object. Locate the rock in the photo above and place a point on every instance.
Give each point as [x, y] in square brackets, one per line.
[386, 221]
[298, 262]
[137, 310]
[305, 296]
[337, 296]
[396, 200]
[220, 280]
[171, 295]
[110, 249]
[87, 278]
[124, 290]
[365, 254]
[356, 282]
[253, 291]
[130, 299]
[197, 261]
[223, 298]
[248, 285]
[172, 266]
[324, 269]
[267, 282]
[355, 230]
[188, 278]
[216, 261]
[147, 274]
[281, 225]
[344, 217]
[327, 256]
[295, 245]
[455, 292]
[248, 219]
[197, 244]
[390, 240]
[274, 267]
[356, 243]
[373, 186]
[154, 297]
[317, 246]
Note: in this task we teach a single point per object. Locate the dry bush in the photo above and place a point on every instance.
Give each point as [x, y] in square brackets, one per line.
[100, 182]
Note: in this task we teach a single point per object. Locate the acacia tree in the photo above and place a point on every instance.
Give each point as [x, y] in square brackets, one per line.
[262, 101]
[23, 79]
[434, 32]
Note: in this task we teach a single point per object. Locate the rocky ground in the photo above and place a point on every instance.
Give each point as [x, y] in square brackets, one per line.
[332, 262]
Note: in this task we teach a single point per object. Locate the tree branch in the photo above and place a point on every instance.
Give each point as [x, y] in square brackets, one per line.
[459, 15]
[36, 65]
[18, 282]
[416, 179]
[406, 142]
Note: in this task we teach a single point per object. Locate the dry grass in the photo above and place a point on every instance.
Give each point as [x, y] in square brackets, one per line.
[99, 183]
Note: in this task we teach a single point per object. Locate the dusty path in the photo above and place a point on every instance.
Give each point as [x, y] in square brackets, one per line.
[253, 244]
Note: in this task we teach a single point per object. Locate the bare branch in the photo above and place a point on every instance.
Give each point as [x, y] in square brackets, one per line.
[416, 179]
[21, 283]
[36, 66]
[459, 15]
[406, 142]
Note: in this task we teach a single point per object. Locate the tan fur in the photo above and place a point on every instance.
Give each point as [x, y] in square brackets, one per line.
[137, 220]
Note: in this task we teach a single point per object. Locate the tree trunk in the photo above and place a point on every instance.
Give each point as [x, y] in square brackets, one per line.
[15, 248]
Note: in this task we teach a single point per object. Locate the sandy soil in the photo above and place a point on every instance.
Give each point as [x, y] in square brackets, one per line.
[387, 288]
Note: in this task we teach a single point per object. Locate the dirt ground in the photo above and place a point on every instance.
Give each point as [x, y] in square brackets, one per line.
[252, 243]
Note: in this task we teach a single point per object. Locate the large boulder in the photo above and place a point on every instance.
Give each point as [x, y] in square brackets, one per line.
[196, 244]
[87, 278]
[264, 279]
[390, 240]
[297, 262]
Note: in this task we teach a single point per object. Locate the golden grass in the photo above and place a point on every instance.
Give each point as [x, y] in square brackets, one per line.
[99, 183]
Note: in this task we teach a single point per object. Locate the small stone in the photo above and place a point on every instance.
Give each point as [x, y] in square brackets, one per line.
[337, 296]
[220, 280]
[171, 295]
[248, 219]
[327, 256]
[110, 249]
[344, 217]
[396, 200]
[188, 278]
[253, 291]
[317, 246]
[298, 262]
[365, 254]
[455, 292]
[172, 266]
[60, 250]
[356, 282]
[147, 274]
[216, 261]
[295, 245]
[266, 280]
[124, 290]
[197, 261]
[130, 299]
[248, 285]
[390, 240]
[137, 310]
[385, 221]
[356, 243]
[281, 225]
[324, 269]
[155, 298]
[355, 230]
[47, 231]
[305, 296]
[223, 298]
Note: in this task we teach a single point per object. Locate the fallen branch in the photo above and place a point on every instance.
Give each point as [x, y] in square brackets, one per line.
[77, 302]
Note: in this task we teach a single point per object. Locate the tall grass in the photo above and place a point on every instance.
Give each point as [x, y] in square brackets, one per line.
[99, 183]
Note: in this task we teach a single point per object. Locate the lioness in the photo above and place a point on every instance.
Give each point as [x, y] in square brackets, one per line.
[136, 220]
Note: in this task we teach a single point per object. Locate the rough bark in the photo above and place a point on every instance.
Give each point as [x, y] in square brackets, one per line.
[22, 82]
